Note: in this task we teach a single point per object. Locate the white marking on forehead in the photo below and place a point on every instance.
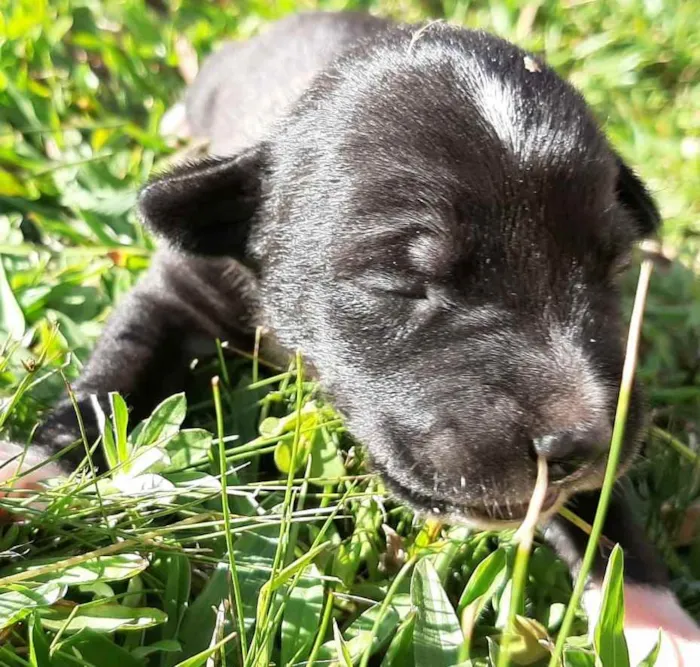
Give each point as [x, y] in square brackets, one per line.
[500, 105]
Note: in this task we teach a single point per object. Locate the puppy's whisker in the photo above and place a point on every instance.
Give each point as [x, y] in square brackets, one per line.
[509, 509]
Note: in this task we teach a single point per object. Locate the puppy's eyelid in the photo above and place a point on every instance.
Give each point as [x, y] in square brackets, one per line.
[412, 287]
[414, 291]
[418, 294]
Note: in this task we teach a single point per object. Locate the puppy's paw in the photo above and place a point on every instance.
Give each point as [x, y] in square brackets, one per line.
[23, 469]
[648, 609]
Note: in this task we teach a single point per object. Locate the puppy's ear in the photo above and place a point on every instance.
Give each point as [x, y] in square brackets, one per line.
[636, 199]
[207, 207]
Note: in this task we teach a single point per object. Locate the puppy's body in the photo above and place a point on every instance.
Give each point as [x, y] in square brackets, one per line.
[435, 218]
[246, 87]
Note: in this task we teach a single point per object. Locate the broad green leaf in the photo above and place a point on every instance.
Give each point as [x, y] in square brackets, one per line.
[485, 580]
[344, 657]
[199, 621]
[18, 601]
[301, 615]
[101, 590]
[188, 448]
[400, 651]
[108, 441]
[273, 426]
[285, 574]
[201, 658]
[401, 602]
[555, 615]
[255, 552]
[149, 485]
[102, 618]
[437, 636]
[609, 637]
[38, 643]
[283, 453]
[164, 422]
[191, 482]
[102, 568]
[94, 649]
[578, 658]
[529, 642]
[135, 592]
[176, 568]
[162, 646]
[356, 637]
[483, 585]
[144, 461]
[650, 659]
[120, 420]
[326, 462]
[10, 185]
[362, 548]
[494, 651]
[450, 548]
[359, 632]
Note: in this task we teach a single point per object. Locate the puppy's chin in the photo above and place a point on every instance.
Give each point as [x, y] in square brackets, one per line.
[480, 521]
[479, 515]
[489, 510]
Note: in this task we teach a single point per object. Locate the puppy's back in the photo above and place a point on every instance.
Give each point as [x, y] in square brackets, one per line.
[245, 87]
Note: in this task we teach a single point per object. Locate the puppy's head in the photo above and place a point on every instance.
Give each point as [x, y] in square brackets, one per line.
[439, 226]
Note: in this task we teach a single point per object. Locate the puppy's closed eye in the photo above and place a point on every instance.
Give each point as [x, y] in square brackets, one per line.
[383, 283]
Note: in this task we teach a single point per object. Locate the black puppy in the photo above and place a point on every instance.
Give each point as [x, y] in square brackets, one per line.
[434, 217]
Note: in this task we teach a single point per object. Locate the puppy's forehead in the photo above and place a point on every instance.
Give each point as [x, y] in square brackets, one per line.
[451, 106]
[457, 127]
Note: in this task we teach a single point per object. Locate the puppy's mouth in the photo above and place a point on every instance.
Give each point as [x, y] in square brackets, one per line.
[484, 514]
[506, 511]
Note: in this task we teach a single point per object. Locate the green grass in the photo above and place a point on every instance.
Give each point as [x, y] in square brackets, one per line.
[103, 576]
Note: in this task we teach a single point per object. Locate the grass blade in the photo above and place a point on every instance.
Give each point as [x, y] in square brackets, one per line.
[524, 538]
[437, 636]
[609, 637]
[628, 372]
[238, 611]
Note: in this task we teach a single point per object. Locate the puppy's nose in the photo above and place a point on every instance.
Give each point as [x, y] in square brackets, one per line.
[567, 451]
